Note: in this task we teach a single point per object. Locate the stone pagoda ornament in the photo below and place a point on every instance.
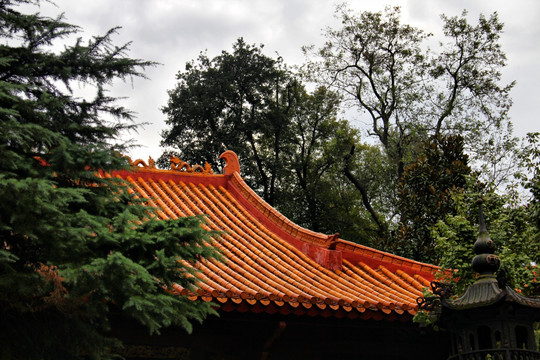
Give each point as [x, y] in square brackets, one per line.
[490, 320]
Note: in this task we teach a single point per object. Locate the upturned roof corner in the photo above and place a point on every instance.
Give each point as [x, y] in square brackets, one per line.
[232, 164]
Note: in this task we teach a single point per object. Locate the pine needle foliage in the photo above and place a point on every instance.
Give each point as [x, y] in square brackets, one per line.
[76, 249]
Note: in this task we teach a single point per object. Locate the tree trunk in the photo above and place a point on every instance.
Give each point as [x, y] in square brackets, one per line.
[382, 227]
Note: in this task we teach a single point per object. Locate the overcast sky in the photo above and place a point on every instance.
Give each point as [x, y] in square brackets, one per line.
[173, 32]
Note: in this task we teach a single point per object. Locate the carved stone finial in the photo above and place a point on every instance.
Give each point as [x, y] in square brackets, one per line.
[232, 164]
[481, 220]
[484, 263]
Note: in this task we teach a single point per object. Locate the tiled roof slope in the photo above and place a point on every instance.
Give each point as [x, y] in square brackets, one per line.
[273, 265]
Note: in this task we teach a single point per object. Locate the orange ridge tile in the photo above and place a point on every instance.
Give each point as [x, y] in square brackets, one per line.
[386, 296]
[145, 196]
[386, 284]
[362, 277]
[422, 280]
[402, 285]
[305, 257]
[160, 188]
[377, 255]
[161, 205]
[268, 273]
[306, 234]
[409, 279]
[274, 256]
[389, 279]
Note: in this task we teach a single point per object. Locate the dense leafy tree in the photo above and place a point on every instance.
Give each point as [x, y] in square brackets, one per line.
[367, 170]
[229, 103]
[380, 65]
[290, 142]
[439, 214]
[509, 224]
[512, 223]
[425, 194]
[410, 93]
[318, 196]
[530, 157]
[76, 249]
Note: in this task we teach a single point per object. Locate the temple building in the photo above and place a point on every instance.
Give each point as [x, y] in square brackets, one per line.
[283, 292]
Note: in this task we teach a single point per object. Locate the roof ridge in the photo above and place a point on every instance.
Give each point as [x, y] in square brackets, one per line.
[383, 256]
[273, 265]
[176, 166]
[276, 217]
[331, 247]
[332, 242]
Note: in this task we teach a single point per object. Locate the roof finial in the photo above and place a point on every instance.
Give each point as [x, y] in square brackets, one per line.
[484, 263]
[232, 164]
[481, 219]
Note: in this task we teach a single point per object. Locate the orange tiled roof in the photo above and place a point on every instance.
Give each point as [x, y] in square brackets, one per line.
[272, 264]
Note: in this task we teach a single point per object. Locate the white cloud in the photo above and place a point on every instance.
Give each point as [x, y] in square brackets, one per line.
[173, 32]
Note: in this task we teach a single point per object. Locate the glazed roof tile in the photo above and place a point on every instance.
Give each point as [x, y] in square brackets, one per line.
[272, 264]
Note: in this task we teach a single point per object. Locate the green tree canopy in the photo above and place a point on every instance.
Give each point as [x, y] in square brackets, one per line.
[512, 220]
[510, 225]
[229, 103]
[75, 248]
[426, 194]
[290, 141]
[408, 94]
[382, 67]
